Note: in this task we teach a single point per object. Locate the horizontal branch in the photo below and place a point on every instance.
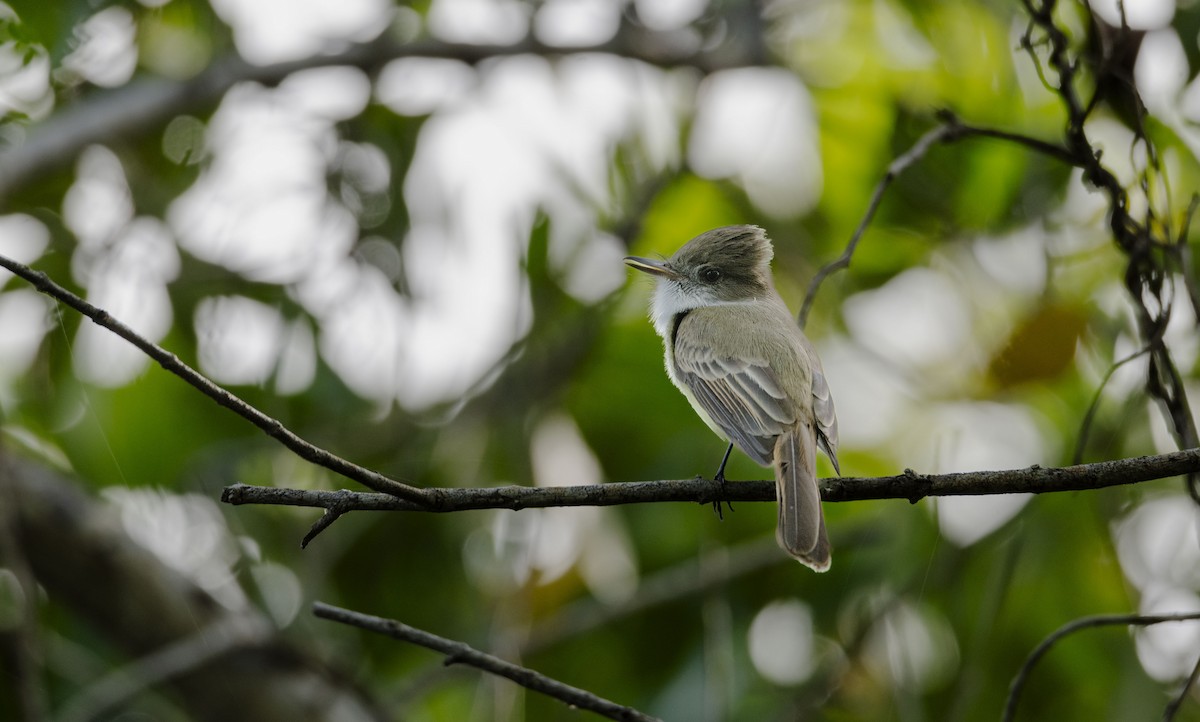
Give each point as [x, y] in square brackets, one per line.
[909, 485]
[145, 104]
[461, 653]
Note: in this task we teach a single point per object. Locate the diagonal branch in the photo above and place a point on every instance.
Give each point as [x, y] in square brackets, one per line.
[461, 653]
[169, 361]
[1101, 620]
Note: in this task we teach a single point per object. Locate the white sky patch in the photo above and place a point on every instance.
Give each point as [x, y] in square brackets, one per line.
[917, 318]
[911, 647]
[25, 316]
[239, 339]
[272, 31]
[1161, 71]
[187, 533]
[420, 86]
[106, 50]
[1017, 260]
[24, 86]
[23, 238]
[129, 280]
[1139, 14]
[98, 204]
[262, 208]
[664, 15]
[952, 437]
[781, 642]
[1168, 651]
[577, 22]
[759, 127]
[871, 398]
[501, 22]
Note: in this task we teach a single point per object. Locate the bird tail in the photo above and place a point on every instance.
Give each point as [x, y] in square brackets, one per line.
[801, 529]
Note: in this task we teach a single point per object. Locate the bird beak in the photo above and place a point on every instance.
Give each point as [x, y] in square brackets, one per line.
[654, 268]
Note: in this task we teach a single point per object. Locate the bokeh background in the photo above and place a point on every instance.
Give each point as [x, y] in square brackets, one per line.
[398, 229]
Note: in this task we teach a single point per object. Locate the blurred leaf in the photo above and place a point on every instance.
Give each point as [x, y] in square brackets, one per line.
[1041, 348]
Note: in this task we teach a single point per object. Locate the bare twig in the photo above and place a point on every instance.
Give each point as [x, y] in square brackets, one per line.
[1086, 426]
[206, 645]
[1176, 702]
[909, 485]
[461, 653]
[170, 362]
[1101, 620]
[689, 580]
[1142, 241]
[950, 130]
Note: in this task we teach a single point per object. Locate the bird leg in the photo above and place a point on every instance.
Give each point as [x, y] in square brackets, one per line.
[720, 477]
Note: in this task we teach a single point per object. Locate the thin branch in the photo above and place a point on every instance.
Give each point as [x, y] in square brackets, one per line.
[143, 105]
[205, 646]
[1100, 620]
[461, 653]
[909, 485]
[171, 362]
[688, 580]
[1145, 273]
[1086, 426]
[950, 130]
[1173, 706]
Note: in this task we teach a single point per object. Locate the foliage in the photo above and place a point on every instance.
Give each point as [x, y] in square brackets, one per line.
[408, 252]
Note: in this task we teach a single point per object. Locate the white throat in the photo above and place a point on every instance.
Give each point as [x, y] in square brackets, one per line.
[670, 300]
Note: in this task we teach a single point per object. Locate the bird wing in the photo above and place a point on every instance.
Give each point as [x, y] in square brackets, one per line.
[824, 414]
[742, 396]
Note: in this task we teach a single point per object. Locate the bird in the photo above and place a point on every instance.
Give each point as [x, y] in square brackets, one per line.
[734, 350]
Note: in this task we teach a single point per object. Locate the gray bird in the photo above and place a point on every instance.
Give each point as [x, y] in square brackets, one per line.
[736, 353]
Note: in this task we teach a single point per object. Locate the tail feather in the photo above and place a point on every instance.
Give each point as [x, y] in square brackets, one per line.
[801, 528]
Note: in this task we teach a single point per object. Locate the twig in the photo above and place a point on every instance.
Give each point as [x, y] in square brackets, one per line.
[171, 362]
[1173, 706]
[1100, 620]
[909, 485]
[689, 580]
[1086, 425]
[206, 645]
[950, 130]
[1145, 274]
[461, 653]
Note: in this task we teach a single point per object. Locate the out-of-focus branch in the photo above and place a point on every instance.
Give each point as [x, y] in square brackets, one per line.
[169, 361]
[92, 570]
[461, 653]
[145, 104]
[909, 485]
[1101, 620]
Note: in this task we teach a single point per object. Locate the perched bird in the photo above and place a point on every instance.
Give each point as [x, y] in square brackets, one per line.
[736, 353]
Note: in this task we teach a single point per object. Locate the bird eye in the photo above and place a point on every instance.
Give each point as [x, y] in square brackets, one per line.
[710, 275]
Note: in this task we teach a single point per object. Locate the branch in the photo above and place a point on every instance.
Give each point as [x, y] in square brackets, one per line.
[1143, 242]
[951, 129]
[909, 485]
[113, 586]
[1173, 706]
[461, 653]
[1101, 620]
[169, 361]
[140, 106]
